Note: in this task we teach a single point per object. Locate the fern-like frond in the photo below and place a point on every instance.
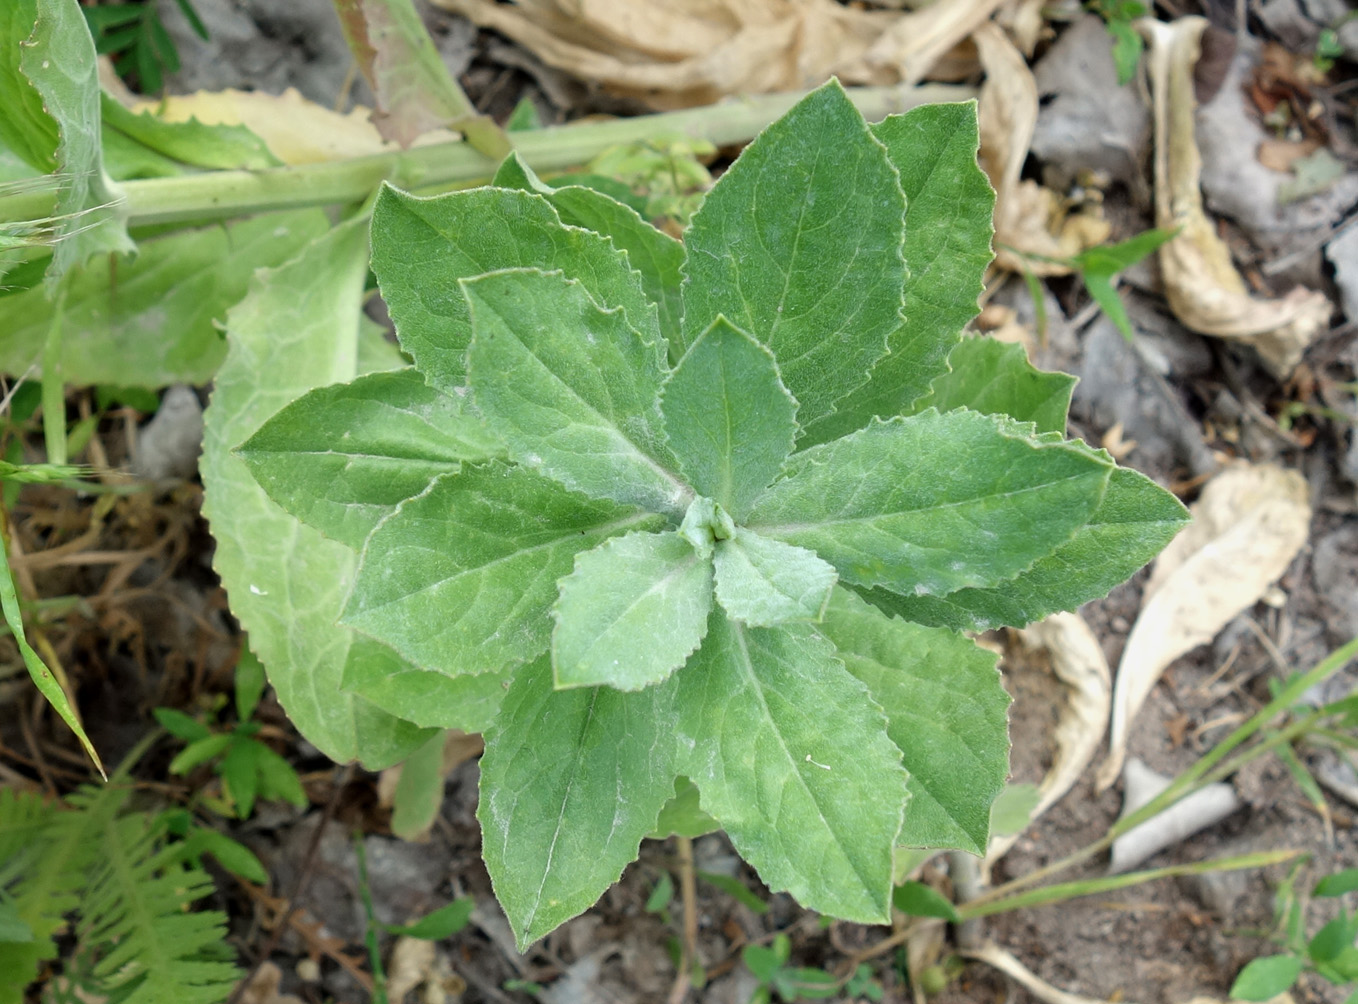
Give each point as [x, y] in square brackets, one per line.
[155, 951]
[44, 877]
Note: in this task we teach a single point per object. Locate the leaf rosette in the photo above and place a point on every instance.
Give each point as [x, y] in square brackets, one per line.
[662, 517]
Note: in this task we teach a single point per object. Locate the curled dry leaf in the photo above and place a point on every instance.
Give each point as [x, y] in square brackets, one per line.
[263, 987]
[1078, 662]
[1248, 525]
[411, 965]
[1209, 804]
[1031, 226]
[1201, 283]
[993, 955]
[681, 53]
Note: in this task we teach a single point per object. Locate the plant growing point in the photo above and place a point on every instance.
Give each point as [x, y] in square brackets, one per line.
[659, 517]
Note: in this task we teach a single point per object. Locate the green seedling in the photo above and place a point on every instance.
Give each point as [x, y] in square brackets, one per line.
[249, 769]
[1329, 953]
[1118, 15]
[136, 39]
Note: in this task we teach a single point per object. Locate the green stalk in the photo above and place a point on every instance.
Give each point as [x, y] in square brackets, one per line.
[214, 195]
[1087, 887]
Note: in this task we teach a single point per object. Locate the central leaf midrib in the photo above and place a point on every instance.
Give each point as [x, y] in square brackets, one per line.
[850, 520]
[748, 670]
[561, 815]
[683, 489]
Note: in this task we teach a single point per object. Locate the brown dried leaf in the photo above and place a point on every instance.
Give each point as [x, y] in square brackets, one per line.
[1201, 283]
[1248, 525]
[415, 92]
[1078, 662]
[1031, 226]
[681, 53]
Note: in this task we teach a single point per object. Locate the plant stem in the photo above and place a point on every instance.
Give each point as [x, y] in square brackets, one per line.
[212, 195]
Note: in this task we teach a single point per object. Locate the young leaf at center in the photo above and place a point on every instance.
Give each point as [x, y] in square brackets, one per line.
[643, 585]
[764, 582]
[729, 419]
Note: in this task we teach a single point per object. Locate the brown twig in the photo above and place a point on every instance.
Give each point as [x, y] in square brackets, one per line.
[688, 894]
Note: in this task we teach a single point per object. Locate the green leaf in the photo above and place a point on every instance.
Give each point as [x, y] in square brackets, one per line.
[153, 320]
[297, 329]
[12, 926]
[933, 502]
[428, 699]
[231, 855]
[343, 457]
[799, 243]
[791, 757]
[1265, 978]
[651, 586]
[180, 725]
[657, 256]
[61, 65]
[419, 791]
[200, 751]
[571, 388]
[25, 128]
[441, 923]
[224, 147]
[1132, 524]
[915, 899]
[729, 419]
[1331, 939]
[421, 248]
[947, 250]
[737, 890]
[249, 684]
[946, 711]
[239, 770]
[277, 778]
[1107, 260]
[571, 781]
[995, 378]
[683, 815]
[1338, 884]
[460, 578]
[765, 582]
[42, 677]
[1013, 808]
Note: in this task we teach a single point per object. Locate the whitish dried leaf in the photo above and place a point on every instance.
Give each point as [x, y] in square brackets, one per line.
[411, 965]
[295, 129]
[993, 955]
[681, 53]
[1078, 662]
[1209, 804]
[1201, 283]
[1030, 225]
[1248, 525]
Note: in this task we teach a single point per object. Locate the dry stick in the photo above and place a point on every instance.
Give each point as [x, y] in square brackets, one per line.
[688, 893]
[303, 878]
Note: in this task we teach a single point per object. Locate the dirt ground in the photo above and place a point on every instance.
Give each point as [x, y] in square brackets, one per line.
[152, 628]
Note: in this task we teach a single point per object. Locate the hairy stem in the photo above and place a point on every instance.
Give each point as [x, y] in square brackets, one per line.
[212, 195]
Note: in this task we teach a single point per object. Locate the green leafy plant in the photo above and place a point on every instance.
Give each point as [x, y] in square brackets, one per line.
[1330, 952]
[1097, 268]
[797, 983]
[113, 878]
[650, 514]
[133, 34]
[1118, 15]
[249, 769]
